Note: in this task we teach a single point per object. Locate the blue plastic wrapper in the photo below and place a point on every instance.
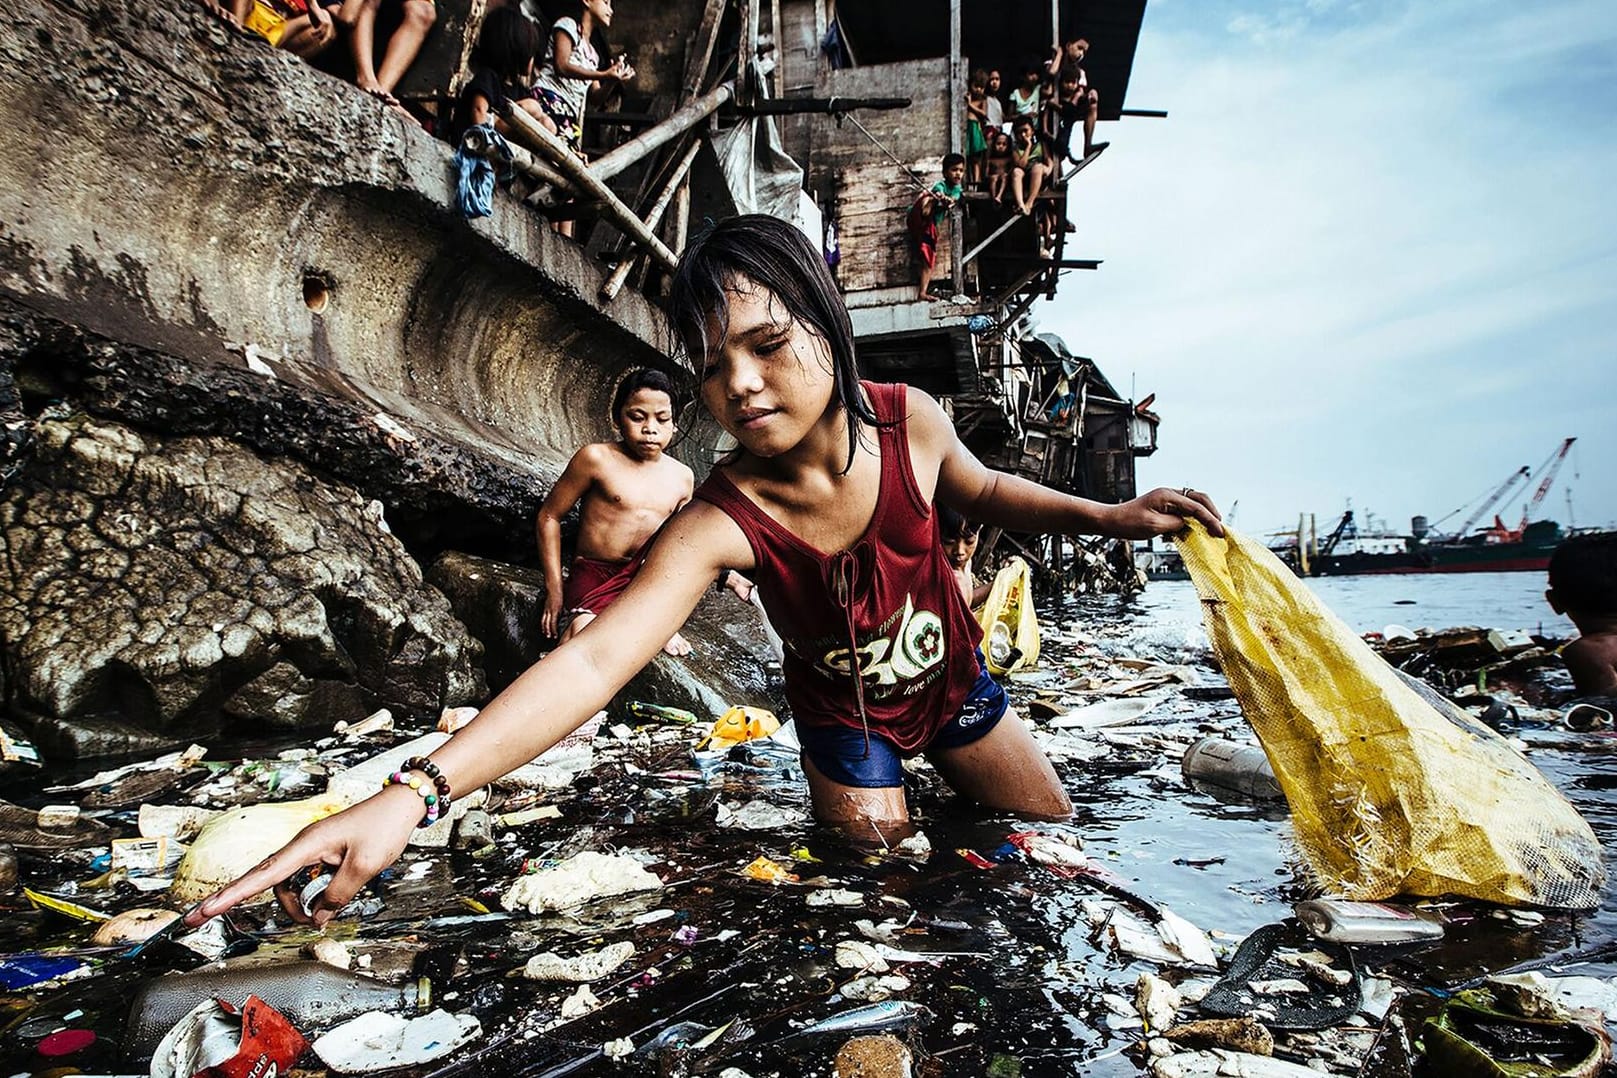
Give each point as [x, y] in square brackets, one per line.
[20, 971]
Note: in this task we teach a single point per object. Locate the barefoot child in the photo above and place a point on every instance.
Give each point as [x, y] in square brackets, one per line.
[628, 488]
[828, 500]
[928, 212]
[999, 166]
[572, 68]
[976, 125]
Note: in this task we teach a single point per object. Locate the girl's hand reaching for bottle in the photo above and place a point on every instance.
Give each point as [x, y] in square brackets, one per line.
[354, 845]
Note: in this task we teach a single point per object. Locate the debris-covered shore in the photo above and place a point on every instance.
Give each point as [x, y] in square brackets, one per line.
[629, 906]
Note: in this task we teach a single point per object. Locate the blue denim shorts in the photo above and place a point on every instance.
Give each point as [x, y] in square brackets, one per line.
[838, 752]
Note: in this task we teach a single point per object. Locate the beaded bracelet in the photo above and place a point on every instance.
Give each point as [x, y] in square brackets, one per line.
[430, 769]
[434, 793]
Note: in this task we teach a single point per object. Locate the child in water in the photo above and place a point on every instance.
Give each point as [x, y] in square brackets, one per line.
[959, 537]
[627, 489]
[827, 502]
[1583, 586]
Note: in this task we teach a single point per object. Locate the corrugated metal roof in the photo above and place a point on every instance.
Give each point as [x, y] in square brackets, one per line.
[1003, 34]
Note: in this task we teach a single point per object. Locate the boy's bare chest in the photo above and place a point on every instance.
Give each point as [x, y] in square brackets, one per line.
[634, 488]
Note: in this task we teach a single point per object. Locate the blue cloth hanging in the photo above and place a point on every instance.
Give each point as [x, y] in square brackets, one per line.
[474, 191]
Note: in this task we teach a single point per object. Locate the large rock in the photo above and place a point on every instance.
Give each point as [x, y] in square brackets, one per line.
[177, 583]
[731, 661]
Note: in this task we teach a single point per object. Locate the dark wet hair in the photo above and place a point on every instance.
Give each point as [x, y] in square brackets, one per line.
[635, 381]
[775, 255]
[507, 41]
[951, 525]
[951, 159]
[1583, 573]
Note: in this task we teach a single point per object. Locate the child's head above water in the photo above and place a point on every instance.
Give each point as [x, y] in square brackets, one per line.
[643, 411]
[766, 259]
[1583, 577]
[958, 535]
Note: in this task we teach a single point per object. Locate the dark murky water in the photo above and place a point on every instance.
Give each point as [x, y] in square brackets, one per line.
[1019, 974]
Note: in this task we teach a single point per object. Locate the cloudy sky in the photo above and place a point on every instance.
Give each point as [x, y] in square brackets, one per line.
[1370, 255]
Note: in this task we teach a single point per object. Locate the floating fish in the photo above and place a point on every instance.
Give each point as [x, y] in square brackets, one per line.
[890, 1014]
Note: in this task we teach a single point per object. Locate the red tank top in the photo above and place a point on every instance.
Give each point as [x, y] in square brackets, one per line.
[892, 594]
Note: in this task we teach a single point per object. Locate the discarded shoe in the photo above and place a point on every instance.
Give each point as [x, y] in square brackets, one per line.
[1473, 1038]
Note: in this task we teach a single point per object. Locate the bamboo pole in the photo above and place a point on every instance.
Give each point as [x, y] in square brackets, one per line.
[591, 186]
[614, 283]
[677, 124]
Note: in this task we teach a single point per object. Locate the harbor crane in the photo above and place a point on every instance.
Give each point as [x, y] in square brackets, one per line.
[1519, 475]
[1548, 470]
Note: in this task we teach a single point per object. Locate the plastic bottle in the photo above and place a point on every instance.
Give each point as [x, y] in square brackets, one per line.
[1341, 921]
[1243, 768]
[311, 995]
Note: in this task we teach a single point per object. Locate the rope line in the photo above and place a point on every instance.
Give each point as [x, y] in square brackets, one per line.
[876, 142]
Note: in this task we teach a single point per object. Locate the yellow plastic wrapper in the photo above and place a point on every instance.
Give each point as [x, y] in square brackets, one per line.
[1393, 789]
[740, 723]
[1010, 624]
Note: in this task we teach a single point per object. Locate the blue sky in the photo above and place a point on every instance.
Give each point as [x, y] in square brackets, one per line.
[1371, 254]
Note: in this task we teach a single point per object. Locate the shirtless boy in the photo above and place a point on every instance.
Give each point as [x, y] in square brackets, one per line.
[1583, 586]
[628, 488]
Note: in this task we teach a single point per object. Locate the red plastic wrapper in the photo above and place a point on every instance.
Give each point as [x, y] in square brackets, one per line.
[217, 1041]
[976, 860]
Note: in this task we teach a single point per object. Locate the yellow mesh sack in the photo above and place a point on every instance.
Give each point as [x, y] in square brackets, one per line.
[1393, 789]
[1010, 624]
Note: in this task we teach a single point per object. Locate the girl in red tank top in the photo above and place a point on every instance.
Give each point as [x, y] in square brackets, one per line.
[827, 502]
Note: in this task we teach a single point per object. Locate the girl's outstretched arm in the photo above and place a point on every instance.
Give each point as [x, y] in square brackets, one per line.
[989, 497]
[551, 699]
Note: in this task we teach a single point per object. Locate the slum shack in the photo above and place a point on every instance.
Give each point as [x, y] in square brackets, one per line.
[279, 414]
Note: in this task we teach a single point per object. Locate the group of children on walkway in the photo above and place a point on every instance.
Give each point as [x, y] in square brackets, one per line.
[547, 68]
[829, 502]
[1015, 147]
[308, 28]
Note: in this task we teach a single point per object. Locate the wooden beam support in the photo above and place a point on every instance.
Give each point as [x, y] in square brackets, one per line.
[614, 283]
[590, 186]
[681, 121]
[701, 54]
[992, 236]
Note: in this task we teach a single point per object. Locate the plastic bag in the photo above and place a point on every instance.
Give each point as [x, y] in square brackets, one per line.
[739, 724]
[1393, 789]
[1010, 624]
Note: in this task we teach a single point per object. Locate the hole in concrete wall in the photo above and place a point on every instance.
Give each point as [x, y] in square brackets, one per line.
[317, 289]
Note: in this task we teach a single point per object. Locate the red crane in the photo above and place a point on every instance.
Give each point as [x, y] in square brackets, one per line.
[1548, 469]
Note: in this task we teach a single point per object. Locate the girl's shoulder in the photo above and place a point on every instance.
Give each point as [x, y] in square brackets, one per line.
[567, 25]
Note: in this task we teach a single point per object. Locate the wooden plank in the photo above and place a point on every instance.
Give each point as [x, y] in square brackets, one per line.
[701, 54]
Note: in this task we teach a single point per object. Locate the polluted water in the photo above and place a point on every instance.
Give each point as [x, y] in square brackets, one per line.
[971, 943]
